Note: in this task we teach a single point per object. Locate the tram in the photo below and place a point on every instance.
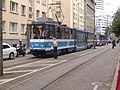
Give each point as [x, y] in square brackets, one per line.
[68, 39]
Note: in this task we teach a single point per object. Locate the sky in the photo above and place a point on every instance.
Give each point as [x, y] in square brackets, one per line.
[111, 6]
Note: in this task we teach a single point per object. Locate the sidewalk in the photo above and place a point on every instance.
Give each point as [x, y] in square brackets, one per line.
[114, 83]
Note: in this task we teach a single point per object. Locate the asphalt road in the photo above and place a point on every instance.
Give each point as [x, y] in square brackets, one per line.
[91, 69]
[96, 74]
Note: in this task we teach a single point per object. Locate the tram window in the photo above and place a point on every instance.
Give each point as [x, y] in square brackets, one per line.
[58, 32]
[37, 33]
[47, 32]
[67, 33]
[71, 34]
[85, 37]
[82, 38]
[63, 33]
[51, 32]
[78, 37]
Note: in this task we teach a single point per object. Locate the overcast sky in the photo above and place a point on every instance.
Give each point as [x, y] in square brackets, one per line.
[111, 6]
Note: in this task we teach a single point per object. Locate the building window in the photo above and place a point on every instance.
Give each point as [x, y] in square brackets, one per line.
[43, 14]
[37, 13]
[23, 9]
[30, 12]
[13, 6]
[43, 2]
[22, 28]
[73, 15]
[73, 24]
[3, 4]
[13, 27]
[30, 3]
[3, 26]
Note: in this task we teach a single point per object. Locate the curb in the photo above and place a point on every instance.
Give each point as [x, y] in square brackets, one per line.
[114, 83]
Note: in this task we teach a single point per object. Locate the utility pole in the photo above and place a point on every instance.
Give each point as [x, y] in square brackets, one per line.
[85, 15]
[1, 41]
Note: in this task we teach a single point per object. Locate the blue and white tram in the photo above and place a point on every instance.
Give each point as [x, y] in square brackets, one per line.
[90, 39]
[41, 38]
[68, 39]
[80, 39]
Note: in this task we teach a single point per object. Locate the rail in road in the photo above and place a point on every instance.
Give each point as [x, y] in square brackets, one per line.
[16, 75]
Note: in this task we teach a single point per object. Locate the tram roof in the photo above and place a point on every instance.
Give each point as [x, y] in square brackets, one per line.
[51, 24]
[81, 31]
[37, 23]
[54, 24]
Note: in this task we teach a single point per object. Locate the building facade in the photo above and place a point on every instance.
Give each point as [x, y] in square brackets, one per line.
[102, 22]
[18, 14]
[99, 5]
[90, 16]
[71, 14]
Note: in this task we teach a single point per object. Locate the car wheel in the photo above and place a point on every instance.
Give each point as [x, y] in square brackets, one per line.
[11, 56]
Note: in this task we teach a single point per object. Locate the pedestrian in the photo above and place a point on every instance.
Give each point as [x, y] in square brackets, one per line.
[113, 44]
[55, 48]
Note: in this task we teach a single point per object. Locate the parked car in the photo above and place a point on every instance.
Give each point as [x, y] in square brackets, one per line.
[9, 52]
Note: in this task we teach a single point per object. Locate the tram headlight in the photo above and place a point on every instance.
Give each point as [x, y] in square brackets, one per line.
[31, 47]
[41, 46]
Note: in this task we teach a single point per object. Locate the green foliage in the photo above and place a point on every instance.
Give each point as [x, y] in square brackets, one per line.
[116, 24]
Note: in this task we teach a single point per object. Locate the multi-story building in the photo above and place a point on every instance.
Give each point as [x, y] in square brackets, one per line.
[90, 16]
[17, 14]
[102, 22]
[99, 21]
[99, 5]
[72, 12]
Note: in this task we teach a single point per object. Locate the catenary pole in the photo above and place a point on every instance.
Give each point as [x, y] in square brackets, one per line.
[1, 41]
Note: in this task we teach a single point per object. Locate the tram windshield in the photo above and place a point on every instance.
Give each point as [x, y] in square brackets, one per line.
[48, 31]
[40, 33]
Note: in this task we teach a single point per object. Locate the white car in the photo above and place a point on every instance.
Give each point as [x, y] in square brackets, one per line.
[9, 52]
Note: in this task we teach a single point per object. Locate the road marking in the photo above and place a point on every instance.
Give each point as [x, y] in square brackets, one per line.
[2, 80]
[25, 64]
[18, 71]
[33, 71]
[96, 87]
[90, 52]
[97, 84]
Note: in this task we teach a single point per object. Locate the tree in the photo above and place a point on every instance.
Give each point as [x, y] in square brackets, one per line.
[116, 23]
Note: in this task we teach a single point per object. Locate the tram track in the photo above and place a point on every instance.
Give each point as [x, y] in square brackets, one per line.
[82, 64]
[60, 65]
[66, 65]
